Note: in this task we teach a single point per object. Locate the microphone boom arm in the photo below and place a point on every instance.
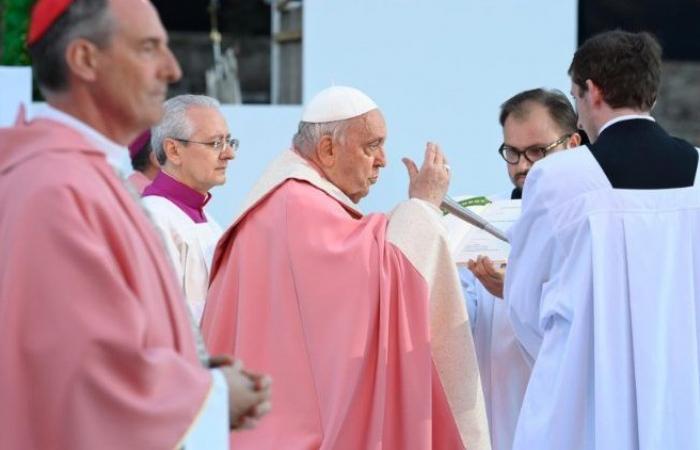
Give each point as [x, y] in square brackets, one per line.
[454, 208]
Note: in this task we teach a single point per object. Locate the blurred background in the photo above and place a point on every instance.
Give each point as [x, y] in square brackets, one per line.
[438, 69]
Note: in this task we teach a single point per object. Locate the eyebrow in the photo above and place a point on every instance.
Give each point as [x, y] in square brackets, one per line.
[151, 40]
[522, 150]
[378, 140]
[218, 136]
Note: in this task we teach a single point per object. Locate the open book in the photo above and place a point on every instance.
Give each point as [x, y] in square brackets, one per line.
[467, 241]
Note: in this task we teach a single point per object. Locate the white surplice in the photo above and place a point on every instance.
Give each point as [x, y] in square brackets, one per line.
[604, 291]
[503, 365]
[190, 246]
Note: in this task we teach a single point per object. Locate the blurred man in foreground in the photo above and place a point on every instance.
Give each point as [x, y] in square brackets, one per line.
[96, 346]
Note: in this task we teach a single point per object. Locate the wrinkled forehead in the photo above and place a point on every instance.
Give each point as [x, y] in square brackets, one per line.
[370, 125]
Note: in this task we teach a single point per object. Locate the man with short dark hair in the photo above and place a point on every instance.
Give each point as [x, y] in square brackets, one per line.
[96, 346]
[527, 117]
[143, 161]
[603, 269]
[536, 123]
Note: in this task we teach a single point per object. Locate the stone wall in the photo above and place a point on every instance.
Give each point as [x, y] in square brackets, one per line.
[678, 106]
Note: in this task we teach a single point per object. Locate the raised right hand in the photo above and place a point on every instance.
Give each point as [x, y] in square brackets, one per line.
[431, 181]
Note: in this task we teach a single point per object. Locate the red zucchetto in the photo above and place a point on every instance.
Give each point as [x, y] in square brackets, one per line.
[44, 14]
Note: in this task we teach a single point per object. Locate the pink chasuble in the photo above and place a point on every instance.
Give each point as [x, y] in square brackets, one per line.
[96, 351]
[308, 290]
[139, 181]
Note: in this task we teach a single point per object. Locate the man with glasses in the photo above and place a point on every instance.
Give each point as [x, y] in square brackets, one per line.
[602, 284]
[193, 146]
[535, 124]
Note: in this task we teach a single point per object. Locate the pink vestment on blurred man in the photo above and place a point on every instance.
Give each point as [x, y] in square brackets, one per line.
[358, 319]
[139, 181]
[95, 346]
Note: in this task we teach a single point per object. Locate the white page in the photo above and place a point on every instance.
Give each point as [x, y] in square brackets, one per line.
[467, 241]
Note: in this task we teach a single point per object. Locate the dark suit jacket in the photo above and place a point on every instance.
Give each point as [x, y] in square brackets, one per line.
[639, 154]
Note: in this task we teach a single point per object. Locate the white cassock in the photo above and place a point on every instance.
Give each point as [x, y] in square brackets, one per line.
[604, 291]
[503, 365]
[190, 246]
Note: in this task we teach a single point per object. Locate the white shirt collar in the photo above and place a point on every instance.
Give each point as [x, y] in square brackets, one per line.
[625, 117]
[117, 155]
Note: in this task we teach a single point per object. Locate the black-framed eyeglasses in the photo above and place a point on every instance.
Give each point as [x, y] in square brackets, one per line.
[218, 145]
[532, 154]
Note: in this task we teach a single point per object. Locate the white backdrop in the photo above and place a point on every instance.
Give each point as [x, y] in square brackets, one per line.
[263, 131]
[15, 88]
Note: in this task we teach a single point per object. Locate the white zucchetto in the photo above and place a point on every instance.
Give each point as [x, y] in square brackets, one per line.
[337, 103]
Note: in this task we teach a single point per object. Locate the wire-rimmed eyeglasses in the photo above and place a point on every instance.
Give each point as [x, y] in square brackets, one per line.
[218, 145]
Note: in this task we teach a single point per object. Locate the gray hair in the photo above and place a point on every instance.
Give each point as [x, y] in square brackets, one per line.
[87, 19]
[309, 134]
[175, 123]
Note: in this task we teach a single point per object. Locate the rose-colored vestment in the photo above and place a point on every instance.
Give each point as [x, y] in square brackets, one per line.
[359, 320]
[139, 181]
[96, 351]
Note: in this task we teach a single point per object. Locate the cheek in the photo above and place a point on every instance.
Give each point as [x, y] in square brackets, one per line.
[352, 167]
[369, 164]
[365, 169]
[198, 167]
[117, 87]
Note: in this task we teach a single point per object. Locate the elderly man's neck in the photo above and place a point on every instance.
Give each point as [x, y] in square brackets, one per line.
[99, 117]
[177, 175]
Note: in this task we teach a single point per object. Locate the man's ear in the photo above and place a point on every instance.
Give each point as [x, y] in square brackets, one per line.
[574, 141]
[595, 93]
[173, 151]
[82, 59]
[326, 152]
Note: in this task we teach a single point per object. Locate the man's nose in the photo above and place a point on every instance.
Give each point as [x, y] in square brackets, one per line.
[171, 68]
[229, 152]
[380, 159]
[524, 164]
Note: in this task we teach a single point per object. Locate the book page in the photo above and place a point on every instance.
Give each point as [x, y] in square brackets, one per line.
[467, 241]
